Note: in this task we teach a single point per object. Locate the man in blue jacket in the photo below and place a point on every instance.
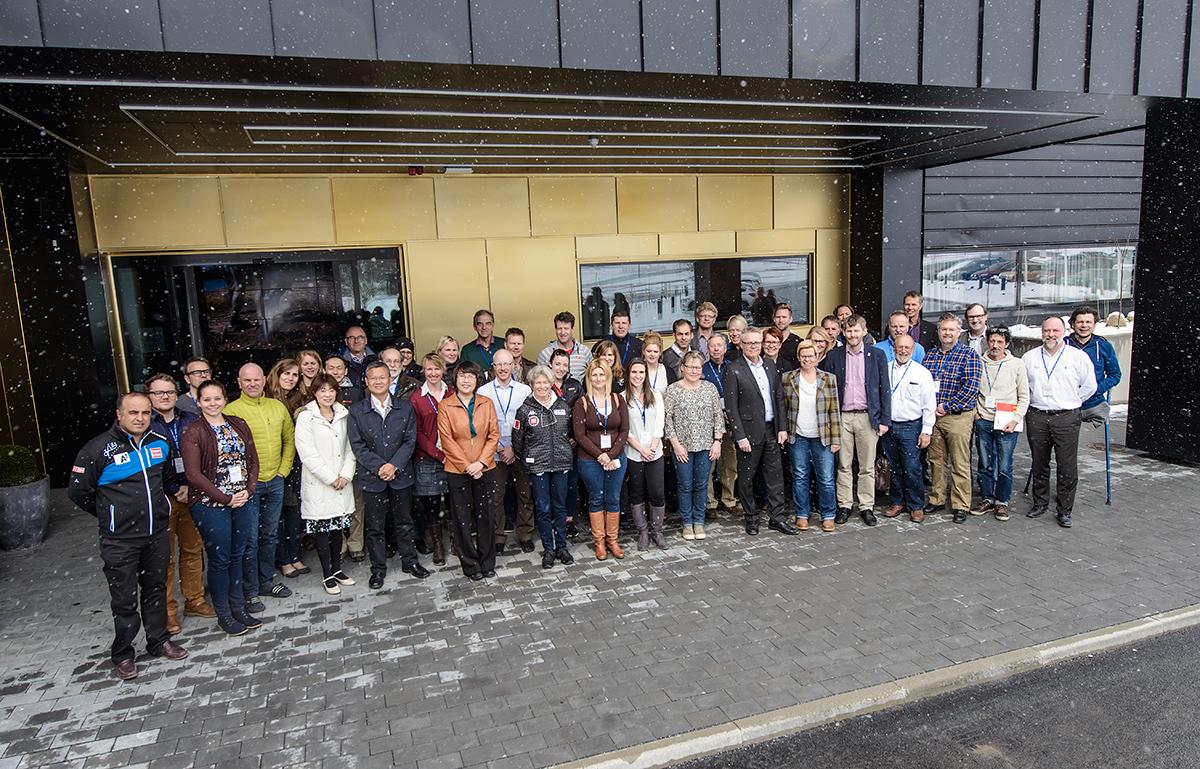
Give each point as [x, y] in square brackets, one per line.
[383, 434]
[119, 478]
[865, 398]
[1100, 351]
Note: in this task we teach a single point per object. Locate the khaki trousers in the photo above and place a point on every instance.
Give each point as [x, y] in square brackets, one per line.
[951, 442]
[354, 543]
[727, 473]
[858, 440]
[182, 530]
[525, 529]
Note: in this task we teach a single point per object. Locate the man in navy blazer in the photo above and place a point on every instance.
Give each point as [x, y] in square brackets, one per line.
[383, 434]
[864, 393]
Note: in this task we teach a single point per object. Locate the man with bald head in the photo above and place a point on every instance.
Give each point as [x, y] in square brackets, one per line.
[508, 394]
[273, 431]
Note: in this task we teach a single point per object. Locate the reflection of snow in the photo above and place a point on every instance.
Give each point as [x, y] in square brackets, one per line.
[955, 294]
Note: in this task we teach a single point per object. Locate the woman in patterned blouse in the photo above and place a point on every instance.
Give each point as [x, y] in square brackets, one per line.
[694, 424]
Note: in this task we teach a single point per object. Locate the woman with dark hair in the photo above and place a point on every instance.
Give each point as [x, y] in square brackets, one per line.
[644, 450]
[607, 352]
[310, 367]
[284, 385]
[221, 466]
[470, 435]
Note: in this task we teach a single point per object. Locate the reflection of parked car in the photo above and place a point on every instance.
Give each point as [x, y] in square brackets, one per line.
[1008, 266]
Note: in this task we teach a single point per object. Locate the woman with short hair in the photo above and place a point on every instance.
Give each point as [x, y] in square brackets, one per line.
[645, 475]
[428, 459]
[600, 422]
[814, 427]
[448, 350]
[542, 443]
[822, 344]
[693, 423]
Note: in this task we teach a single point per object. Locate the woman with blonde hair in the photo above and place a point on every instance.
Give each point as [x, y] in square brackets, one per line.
[658, 374]
[821, 342]
[311, 367]
[607, 351]
[814, 426]
[600, 422]
[694, 422]
[447, 349]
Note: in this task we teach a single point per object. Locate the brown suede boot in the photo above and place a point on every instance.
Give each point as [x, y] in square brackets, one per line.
[597, 522]
[639, 520]
[612, 523]
[657, 514]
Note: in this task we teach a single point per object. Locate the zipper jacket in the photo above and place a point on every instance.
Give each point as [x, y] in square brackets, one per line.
[541, 436]
[1104, 359]
[119, 479]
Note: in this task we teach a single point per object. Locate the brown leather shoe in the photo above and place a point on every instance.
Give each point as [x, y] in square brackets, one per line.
[802, 524]
[171, 651]
[916, 516]
[893, 511]
[827, 524]
[173, 626]
[126, 670]
[202, 609]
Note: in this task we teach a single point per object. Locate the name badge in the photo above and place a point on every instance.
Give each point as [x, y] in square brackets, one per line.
[560, 412]
[722, 403]
[605, 441]
[617, 463]
[121, 459]
[235, 474]
[178, 465]
[989, 402]
[937, 385]
[529, 461]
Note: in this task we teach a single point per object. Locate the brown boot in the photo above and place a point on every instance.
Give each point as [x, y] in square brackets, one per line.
[639, 520]
[597, 522]
[612, 523]
[657, 514]
[435, 538]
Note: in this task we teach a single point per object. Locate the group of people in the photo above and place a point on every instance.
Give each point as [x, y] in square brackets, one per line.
[363, 455]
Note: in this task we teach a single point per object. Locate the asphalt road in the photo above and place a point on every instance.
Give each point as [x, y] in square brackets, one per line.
[1134, 707]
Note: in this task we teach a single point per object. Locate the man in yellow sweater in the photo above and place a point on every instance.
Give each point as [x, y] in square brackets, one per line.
[273, 432]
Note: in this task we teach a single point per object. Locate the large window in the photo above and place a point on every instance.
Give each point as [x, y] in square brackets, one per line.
[656, 293]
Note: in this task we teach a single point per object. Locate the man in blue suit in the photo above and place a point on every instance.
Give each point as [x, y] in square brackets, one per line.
[866, 403]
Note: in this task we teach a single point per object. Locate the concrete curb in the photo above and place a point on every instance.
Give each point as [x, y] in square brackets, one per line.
[779, 723]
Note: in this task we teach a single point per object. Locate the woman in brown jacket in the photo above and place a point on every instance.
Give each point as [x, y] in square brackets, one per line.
[600, 422]
[470, 435]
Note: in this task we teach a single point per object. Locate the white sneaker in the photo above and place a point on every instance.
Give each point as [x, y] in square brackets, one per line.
[331, 586]
[698, 530]
[688, 533]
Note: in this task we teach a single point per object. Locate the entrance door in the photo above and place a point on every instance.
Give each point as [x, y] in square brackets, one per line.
[237, 308]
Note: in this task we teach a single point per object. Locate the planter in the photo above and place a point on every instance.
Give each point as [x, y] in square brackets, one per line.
[24, 513]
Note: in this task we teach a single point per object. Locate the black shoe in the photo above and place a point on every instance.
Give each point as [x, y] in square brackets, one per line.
[499, 548]
[475, 577]
[417, 570]
[254, 606]
[376, 581]
[843, 515]
[752, 529]
[249, 621]
[1064, 520]
[527, 547]
[564, 556]
[358, 556]
[1036, 512]
[422, 548]
[490, 573]
[932, 509]
[571, 529]
[960, 516]
[783, 527]
[231, 626]
[547, 559]
[868, 517]
[275, 591]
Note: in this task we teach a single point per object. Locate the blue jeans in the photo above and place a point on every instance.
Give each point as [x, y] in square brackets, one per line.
[550, 504]
[265, 505]
[806, 453]
[995, 449]
[604, 486]
[691, 479]
[908, 475]
[227, 533]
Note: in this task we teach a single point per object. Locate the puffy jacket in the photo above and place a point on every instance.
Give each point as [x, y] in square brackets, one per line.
[1104, 358]
[273, 430]
[542, 436]
[325, 455]
[119, 479]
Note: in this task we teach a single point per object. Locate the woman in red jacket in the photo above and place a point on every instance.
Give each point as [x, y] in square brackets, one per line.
[428, 463]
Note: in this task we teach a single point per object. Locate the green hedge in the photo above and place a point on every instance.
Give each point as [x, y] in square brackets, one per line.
[18, 465]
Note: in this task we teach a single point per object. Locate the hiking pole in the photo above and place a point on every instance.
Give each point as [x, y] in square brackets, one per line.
[1107, 459]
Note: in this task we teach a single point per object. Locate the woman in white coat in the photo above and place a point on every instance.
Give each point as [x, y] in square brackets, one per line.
[326, 496]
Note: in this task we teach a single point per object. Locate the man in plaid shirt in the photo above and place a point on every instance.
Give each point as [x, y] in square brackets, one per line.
[956, 370]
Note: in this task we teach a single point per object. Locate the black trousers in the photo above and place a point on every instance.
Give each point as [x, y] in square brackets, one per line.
[381, 509]
[762, 458]
[646, 482]
[471, 508]
[329, 551]
[136, 569]
[1057, 433]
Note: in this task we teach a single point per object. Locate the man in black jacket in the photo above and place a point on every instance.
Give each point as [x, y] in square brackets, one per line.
[383, 434]
[118, 477]
[925, 332]
[754, 405]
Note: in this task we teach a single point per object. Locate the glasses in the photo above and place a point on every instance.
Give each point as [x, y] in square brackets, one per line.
[692, 367]
[356, 338]
[976, 317]
[161, 392]
[751, 344]
[199, 372]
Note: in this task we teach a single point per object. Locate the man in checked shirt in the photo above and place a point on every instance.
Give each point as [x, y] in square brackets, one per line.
[956, 370]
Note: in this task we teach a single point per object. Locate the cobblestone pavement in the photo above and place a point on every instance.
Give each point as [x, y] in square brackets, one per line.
[539, 667]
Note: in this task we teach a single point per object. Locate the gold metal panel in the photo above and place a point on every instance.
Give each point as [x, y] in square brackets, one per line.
[530, 281]
[735, 202]
[607, 246]
[447, 281]
[573, 205]
[811, 200]
[782, 241]
[280, 211]
[482, 207]
[656, 204]
[677, 243]
[383, 209]
[140, 212]
[831, 283]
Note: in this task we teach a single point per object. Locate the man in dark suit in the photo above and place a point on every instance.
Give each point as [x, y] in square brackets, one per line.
[383, 434]
[923, 331]
[866, 402]
[754, 404]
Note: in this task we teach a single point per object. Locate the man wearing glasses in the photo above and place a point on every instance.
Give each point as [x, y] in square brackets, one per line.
[975, 335]
[170, 421]
[357, 355]
[196, 371]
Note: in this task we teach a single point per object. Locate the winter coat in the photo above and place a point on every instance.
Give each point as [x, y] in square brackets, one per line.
[1108, 370]
[120, 481]
[378, 442]
[325, 455]
[542, 436]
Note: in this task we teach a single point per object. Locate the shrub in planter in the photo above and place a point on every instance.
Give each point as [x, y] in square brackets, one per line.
[24, 508]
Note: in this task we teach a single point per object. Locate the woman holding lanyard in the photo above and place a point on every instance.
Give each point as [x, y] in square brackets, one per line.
[470, 435]
[326, 495]
[600, 422]
[814, 426]
[644, 451]
[693, 423]
[657, 374]
[542, 443]
[283, 384]
[429, 461]
[221, 466]
[1004, 381]
[607, 352]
